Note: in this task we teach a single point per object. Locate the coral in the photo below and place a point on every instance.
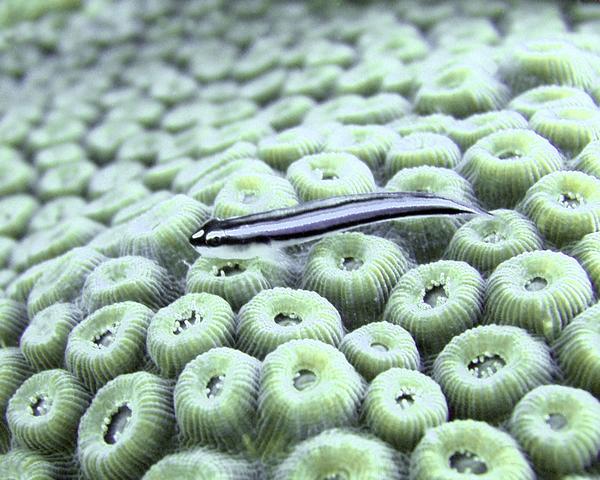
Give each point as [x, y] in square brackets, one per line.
[486, 370]
[379, 346]
[216, 399]
[400, 405]
[540, 291]
[44, 412]
[274, 316]
[436, 301]
[338, 451]
[328, 175]
[356, 273]
[372, 352]
[558, 427]
[191, 325]
[485, 242]
[126, 427]
[504, 164]
[428, 237]
[467, 447]
[564, 206]
[107, 343]
[306, 386]
[577, 350]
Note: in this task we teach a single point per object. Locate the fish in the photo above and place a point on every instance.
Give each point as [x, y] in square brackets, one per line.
[252, 235]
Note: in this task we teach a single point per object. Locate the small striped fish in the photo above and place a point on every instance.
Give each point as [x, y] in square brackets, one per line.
[252, 235]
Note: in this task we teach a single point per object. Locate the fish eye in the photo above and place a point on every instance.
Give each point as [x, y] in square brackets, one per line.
[212, 241]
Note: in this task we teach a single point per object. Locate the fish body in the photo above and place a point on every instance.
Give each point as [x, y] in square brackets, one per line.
[253, 235]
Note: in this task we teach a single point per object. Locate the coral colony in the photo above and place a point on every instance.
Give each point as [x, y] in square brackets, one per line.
[299, 240]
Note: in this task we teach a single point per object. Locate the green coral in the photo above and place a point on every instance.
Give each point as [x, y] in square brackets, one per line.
[125, 125]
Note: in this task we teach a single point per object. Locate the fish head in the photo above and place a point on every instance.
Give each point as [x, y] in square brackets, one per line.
[207, 236]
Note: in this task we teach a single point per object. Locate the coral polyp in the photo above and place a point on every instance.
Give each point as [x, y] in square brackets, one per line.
[577, 350]
[540, 291]
[216, 399]
[559, 427]
[306, 387]
[277, 315]
[340, 452]
[356, 273]
[468, 447]
[436, 301]
[400, 405]
[484, 371]
[379, 346]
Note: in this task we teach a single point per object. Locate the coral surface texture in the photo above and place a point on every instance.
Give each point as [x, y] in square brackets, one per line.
[461, 342]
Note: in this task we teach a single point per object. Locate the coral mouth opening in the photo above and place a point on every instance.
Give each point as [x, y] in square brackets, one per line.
[494, 237]
[229, 270]
[467, 462]
[335, 476]
[40, 406]
[536, 284]
[556, 421]
[351, 263]
[570, 200]
[105, 339]
[452, 80]
[185, 323]
[486, 365]
[118, 273]
[287, 319]
[215, 385]
[549, 96]
[249, 197]
[405, 400]
[325, 174]
[435, 296]
[117, 423]
[509, 154]
[380, 347]
[304, 379]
